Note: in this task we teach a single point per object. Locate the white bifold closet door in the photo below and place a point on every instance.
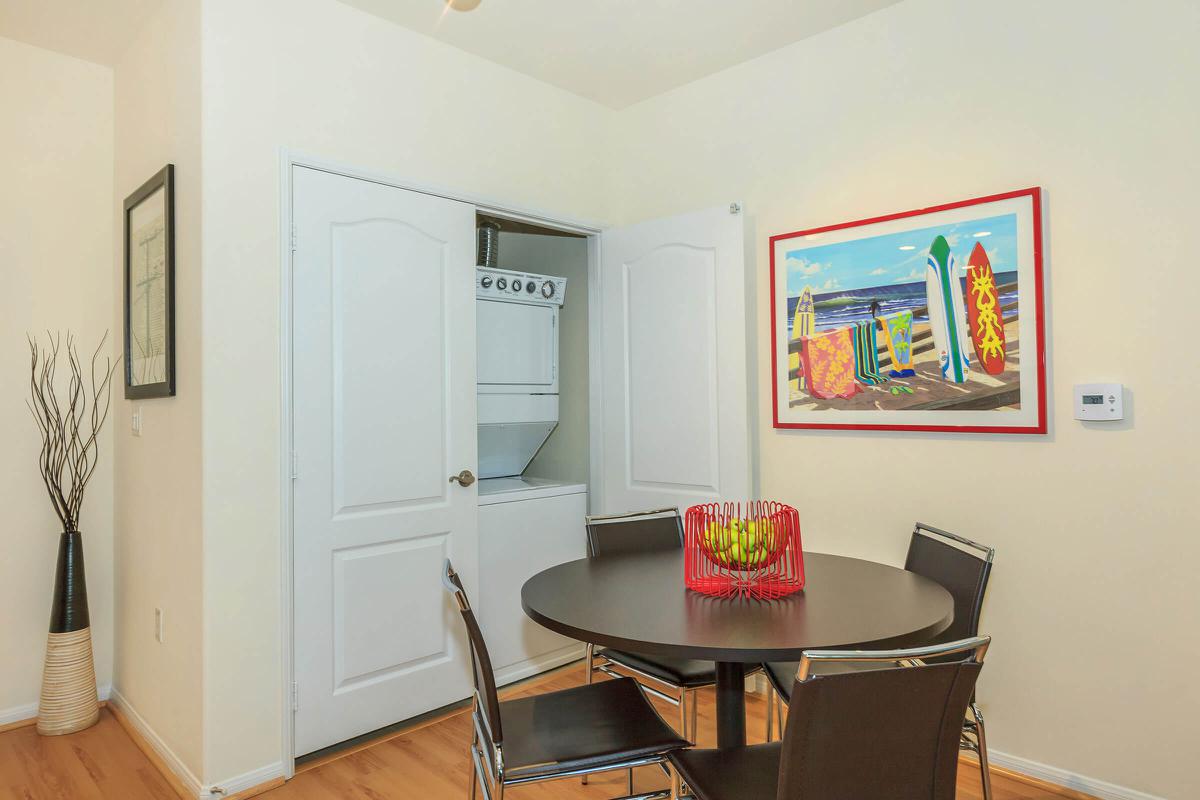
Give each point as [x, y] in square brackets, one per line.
[384, 412]
[673, 379]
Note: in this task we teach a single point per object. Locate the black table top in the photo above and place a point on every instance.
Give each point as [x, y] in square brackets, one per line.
[639, 602]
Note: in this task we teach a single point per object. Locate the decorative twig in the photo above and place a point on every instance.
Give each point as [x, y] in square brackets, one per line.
[69, 429]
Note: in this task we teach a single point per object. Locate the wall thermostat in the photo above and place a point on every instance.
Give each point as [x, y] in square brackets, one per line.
[1099, 402]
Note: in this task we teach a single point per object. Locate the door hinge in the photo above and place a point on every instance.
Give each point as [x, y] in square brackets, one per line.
[295, 465]
[293, 238]
[295, 696]
[734, 208]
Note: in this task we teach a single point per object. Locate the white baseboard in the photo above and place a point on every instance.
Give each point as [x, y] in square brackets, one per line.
[172, 761]
[30, 710]
[193, 785]
[247, 780]
[544, 663]
[1067, 779]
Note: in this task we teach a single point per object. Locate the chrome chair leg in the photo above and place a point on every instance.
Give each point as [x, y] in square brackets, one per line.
[474, 774]
[589, 655]
[675, 788]
[471, 752]
[683, 715]
[770, 712]
[985, 773]
[693, 709]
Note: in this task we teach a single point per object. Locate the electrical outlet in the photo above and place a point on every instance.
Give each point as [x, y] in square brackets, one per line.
[136, 422]
[158, 625]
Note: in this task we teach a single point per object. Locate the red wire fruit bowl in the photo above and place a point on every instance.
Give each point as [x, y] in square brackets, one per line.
[752, 549]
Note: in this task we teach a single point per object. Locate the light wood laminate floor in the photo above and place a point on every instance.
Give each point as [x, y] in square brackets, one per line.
[429, 762]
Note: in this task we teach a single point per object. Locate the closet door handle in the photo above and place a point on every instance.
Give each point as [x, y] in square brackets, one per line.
[463, 479]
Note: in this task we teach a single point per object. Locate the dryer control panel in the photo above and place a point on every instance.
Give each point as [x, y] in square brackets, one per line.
[519, 287]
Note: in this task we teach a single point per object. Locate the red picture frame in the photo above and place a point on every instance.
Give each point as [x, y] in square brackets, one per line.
[1030, 416]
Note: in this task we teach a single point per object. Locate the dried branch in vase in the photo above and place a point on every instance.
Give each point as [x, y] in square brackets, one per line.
[69, 425]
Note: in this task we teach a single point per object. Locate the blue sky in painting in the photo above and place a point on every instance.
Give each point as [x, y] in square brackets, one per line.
[897, 258]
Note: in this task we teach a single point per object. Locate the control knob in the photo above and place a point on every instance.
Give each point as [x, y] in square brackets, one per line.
[529, 287]
[485, 281]
[548, 289]
[501, 284]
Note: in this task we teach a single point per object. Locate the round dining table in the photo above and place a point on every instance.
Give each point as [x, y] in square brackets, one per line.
[638, 602]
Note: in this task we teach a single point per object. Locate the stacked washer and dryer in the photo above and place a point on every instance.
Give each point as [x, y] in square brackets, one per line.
[526, 523]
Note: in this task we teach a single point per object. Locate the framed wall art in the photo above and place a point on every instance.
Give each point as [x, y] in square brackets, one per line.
[150, 288]
[926, 320]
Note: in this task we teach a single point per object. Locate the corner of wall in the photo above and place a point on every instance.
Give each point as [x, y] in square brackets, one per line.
[157, 477]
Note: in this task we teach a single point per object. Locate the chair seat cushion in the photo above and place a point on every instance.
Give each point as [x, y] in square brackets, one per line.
[582, 727]
[684, 672]
[782, 674]
[736, 773]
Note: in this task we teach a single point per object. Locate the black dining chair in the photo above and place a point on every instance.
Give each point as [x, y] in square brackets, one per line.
[962, 567]
[640, 532]
[891, 732]
[588, 729]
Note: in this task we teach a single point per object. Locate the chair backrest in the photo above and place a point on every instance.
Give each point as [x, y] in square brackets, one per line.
[481, 662]
[890, 733]
[635, 532]
[958, 564]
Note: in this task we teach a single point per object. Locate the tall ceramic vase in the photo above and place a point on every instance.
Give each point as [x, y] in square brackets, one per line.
[69, 702]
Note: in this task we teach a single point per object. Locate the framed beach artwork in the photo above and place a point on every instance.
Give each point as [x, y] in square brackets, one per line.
[927, 320]
[150, 288]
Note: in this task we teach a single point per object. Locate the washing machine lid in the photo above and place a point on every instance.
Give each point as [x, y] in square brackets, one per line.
[506, 449]
[512, 428]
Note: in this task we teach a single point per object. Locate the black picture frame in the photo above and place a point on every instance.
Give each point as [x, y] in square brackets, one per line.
[162, 383]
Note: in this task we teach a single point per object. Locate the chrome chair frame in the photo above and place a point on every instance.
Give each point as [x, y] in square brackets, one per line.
[911, 656]
[684, 698]
[977, 646]
[974, 735]
[687, 721]
[487, 765]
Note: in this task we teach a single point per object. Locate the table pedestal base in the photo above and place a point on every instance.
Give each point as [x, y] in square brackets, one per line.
[731, 705]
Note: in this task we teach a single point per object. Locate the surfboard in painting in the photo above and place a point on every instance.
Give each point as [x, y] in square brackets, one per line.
[983, 312]
[947, 319]
[803, 324]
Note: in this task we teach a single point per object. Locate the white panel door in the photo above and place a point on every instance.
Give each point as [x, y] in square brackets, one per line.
[674, 362]
[384, 412]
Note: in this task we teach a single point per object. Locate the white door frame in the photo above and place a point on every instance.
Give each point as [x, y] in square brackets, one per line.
[287, 160]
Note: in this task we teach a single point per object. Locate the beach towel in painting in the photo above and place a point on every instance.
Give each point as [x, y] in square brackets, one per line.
[947, 318]
[828, 361]
[897, 329]
[803, 324]
[983, 312]
[866, 357]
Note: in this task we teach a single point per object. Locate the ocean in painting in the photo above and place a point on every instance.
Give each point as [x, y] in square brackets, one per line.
[840, 308]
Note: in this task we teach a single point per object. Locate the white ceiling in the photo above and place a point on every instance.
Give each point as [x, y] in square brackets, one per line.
[94, 30]
[618, 52]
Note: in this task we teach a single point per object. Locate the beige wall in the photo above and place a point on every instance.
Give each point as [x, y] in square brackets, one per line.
[1093, 603]
[55, 240]
[320, 77]
[565, 454]
[158, 542]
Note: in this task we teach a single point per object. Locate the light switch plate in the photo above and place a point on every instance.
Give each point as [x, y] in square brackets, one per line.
[1099, 402]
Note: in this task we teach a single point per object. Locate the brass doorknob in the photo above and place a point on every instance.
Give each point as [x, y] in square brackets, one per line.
[464, 478]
